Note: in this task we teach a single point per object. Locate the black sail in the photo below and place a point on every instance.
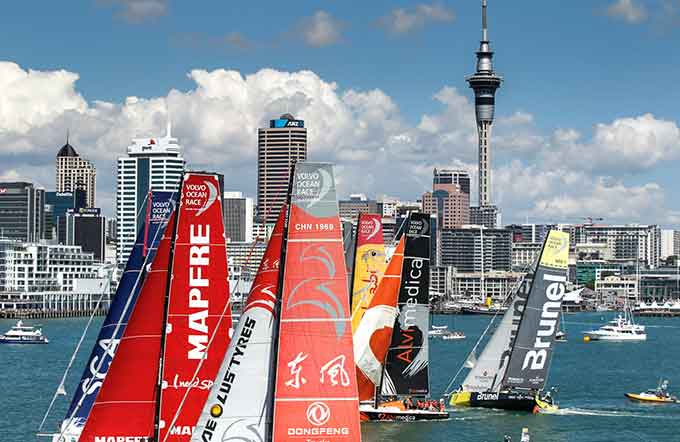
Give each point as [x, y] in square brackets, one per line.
[533, 346]
[406, 365]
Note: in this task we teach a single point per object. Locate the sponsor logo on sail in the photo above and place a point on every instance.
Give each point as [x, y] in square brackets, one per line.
[199, 287]
[312, 187]
[318, 413]
[535, 359]
[200, 196]
[122, 439]
[99, 365]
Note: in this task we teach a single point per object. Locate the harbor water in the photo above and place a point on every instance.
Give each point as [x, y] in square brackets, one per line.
[591, 379]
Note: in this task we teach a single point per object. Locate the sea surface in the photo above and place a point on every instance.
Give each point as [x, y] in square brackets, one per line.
[591, 379]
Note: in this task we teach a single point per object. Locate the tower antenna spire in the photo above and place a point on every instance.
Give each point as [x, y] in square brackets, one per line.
[67, 134]
[485, 36]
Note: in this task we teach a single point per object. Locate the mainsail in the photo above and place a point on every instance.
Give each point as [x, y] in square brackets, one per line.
[532, 348]
[97, 366]
[488, 370]
[126, 404]
[406, 366]
[374, 334]
[369, 264]
[197, 308]
[239, 404]
[316, 391]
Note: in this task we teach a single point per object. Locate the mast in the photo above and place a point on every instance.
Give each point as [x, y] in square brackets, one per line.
[166, 306]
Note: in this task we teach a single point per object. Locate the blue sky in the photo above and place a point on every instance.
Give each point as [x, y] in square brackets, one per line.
[568, 67]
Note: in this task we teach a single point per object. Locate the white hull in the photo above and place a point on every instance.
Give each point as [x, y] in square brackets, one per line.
[595, 336]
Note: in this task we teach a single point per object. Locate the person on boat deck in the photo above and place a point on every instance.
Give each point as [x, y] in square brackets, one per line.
[548, 398]
[441, 405]
[408, 403]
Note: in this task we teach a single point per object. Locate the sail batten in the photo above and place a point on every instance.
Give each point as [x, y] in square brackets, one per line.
[315, 386]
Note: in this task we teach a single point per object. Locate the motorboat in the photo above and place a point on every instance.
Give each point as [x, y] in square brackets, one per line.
[622, 328]
[438, 331]
[453, 336]
[560, 336]
[23, 334]
[659, 395]
[403, 411]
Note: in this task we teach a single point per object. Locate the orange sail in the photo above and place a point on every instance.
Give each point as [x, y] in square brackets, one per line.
[374, 334]
[316, 392]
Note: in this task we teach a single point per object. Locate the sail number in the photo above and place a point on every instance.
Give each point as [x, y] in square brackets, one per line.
[310, 227]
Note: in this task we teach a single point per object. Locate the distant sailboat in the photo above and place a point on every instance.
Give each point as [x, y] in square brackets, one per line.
[162, 374]
[157, 209]
[512, 370]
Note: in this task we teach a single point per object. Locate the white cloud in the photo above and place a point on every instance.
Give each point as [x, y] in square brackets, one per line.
[629, 11]
[138, 11]
[552, 177]
[402, 21]
[321, 29]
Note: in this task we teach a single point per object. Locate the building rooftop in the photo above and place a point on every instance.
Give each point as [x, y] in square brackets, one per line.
[67, 151]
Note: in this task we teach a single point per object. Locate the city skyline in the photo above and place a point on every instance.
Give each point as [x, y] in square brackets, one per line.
[564, 147]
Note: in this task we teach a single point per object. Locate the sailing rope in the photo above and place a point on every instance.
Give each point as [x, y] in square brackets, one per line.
[212, 337]
[109, 346]
[513, 289]
[60, 388]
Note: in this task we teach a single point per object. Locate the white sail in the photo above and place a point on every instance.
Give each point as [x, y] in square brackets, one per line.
[489, 368]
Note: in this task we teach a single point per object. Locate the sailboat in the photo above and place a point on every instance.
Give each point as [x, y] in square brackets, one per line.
[391, 344]
[302, 385]
[369, 264]
[157, 208]
[162, 372]
[512, 370]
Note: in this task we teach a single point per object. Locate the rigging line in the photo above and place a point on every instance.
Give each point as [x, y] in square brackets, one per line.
[70, 363]
[513, 289]
[115, 330]
[212, 337]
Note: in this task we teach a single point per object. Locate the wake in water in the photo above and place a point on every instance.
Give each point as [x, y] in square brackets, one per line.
[604, 413]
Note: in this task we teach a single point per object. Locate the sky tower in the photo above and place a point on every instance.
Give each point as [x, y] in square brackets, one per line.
[484, 82]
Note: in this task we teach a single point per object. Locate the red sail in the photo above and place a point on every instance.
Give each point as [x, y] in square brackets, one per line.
[374, 334]
[125, 405]
[316, 391]
[198, 295]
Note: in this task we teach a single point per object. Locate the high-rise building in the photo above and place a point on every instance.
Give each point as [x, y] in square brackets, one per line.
[74, 172]
[278, 147]
[151, 164]
[668, 243]
[487, 216]
[450, 198]
[85, 228]
[356, 204]
[238, 217]
[626, 242]
[476, 249]
[61, 202]
[22, 211]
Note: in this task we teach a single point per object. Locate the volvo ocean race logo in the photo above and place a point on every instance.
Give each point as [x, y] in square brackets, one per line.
[312, 187]
[370, 227]
[329, 302]
[200, 196]
[318, 413]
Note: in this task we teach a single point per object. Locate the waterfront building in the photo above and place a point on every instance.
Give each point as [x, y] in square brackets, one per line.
[617, 289]
[85, 227]
[246, 255]
[449, 199]
[279, 147]
[530, 232]
[151, 164]
[61, 202]
[670, 239]
[626, 242]
[475, 286]
[22, 211]
[524, 254]
[356, 204]
[75, 173]
[238, 217]
[476, 249]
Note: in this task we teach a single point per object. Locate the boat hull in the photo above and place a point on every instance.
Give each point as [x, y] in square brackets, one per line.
[616, 338]
[386, 413]
[23, 341]
[513, 401]
[652, 399]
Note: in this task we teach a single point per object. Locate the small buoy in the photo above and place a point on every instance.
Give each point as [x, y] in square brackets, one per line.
[586, 338]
